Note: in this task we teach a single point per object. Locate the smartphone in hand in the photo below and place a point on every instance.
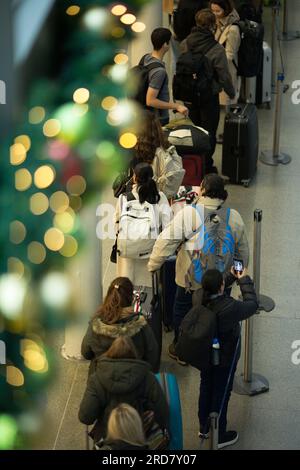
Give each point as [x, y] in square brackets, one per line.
[238, 265]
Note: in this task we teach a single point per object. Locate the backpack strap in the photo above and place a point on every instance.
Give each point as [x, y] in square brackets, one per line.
[130, 196]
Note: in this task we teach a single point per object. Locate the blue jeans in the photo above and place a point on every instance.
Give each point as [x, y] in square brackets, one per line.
[182, 305]
[212, 388]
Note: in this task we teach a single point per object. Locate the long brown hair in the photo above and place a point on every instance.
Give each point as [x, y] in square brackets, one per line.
[122, 348]
[119, 296]
[150, 137]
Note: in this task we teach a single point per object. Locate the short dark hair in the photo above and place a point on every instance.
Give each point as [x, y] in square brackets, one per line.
[159, 37]
[211, 284]
[226, 5]
[205, 19]
[213, 186]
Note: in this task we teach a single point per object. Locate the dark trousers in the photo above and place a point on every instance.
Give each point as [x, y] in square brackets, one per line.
[212, 387]
[182, 304]
[208, 116]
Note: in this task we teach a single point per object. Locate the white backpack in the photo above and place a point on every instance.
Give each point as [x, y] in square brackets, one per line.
[138, 228]
[168, 171]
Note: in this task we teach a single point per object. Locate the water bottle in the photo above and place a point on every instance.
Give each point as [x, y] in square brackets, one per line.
[215, 352]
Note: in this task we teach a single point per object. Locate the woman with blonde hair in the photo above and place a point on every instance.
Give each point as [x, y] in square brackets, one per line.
[114, 318]
[124, 430]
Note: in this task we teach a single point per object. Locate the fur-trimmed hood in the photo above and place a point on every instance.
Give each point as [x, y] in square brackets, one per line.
[130, 325]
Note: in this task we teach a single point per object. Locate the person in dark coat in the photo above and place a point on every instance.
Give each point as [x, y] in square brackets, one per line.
[124, 430]
[121, 377]
[115, 318]
[229, 313]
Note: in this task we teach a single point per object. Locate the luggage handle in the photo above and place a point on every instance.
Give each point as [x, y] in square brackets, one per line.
[155, 284]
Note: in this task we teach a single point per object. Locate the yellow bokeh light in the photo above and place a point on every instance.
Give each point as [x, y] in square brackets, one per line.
[17, 154]
[138, 27]
[75, 203]
[121, 59]
[118, 32]
[39, 204]
[70, 247]
[37, 115]
[14, 376]
[128, 140]
[59, 202]
[118, 10]
[81, 95]
[15, 266]
[52, 128]
[73, 10]
[29, 344]
[54, 239]
[76, 185]
[23, 179]
[128, 18]
[64, 222]
[17, 232]
[36, 253]
[109, 102]
[80, 109]
[44, 177]
[35, 360]
[24, 140]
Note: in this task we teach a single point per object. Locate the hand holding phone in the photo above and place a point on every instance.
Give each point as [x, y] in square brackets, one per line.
[238, 268]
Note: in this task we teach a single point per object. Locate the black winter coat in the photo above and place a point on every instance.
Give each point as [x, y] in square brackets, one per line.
[118, 381]
[229, 313]
[100, 336]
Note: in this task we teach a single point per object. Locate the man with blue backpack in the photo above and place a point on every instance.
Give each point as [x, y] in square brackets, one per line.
[205, 235]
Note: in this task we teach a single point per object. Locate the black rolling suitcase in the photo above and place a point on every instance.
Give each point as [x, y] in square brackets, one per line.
[240, 144]
[168, 288]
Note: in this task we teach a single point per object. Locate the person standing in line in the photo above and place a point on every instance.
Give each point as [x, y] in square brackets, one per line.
[158, 97]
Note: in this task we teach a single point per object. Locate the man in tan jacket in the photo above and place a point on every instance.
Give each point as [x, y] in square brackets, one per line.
[185, 235]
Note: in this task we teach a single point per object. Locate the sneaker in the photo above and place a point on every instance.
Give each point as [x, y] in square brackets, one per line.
[228, 439]
[202, 435]
[173, 355]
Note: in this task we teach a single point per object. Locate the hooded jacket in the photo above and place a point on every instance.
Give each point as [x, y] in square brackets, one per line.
[199, 41]
[181, 234]
[228, 35]
[100, 336]
[118, 381]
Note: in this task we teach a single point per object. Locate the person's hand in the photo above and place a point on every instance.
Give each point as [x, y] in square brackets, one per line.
[239, 274]
[182, 109]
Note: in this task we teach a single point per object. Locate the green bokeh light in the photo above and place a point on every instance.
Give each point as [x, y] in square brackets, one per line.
[8, 432]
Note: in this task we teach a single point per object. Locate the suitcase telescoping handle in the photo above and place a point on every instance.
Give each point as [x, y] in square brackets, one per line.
[155, 283]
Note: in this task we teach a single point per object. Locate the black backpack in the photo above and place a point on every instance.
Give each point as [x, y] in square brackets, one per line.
[192, 82]
[140, 76]
[250, 53]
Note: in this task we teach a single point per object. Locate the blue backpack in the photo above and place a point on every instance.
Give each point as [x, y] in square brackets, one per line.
[219, 244]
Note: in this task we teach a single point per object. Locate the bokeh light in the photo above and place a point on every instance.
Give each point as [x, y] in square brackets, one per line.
[109, 102]
[122, 114]
[118, 73]
[15, 266]
[70, 247]
[14, 376]
[118, 32]
[39, 203]
[37, 115]
[76, 185]
[59, 283]
[35, 360]
[54, 239]
[75, 203]
[81, 95]
[121, 58]
[75, 122]
[119, 10]
[128, 18]
[12, 294]
[128, 140]
[23, 179]
[24, 140]
[44, 176]
[17, 232]
[36, 253]
[105, 150]
[8, 432]
[52, 128]
[64, 222]
[138, 27]
[96, 18]
[73, 10]
[18, 154]
[59, 202]
[58, 150]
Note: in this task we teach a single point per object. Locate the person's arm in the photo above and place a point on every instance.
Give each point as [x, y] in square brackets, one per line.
[220, 65]
[233, 42]
[86, 349]
[90, 406]
[249, 305]
[184, 226]
[241, 241]
[153, 102]
[165, 211]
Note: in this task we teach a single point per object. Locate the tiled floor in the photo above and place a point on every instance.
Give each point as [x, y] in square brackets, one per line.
[271, 420]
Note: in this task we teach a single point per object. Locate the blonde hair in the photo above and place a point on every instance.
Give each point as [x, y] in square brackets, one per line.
[125, 424]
